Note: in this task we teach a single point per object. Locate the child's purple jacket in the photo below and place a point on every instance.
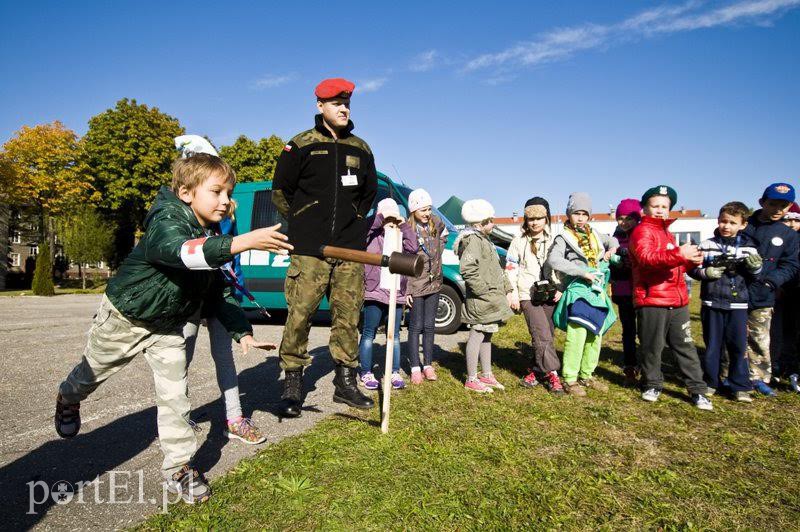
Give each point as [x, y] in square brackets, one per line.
[372, 274]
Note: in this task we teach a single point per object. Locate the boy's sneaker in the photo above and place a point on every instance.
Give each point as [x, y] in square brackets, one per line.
[553, 383]
[702, 402]
[794, 382]
[575, 389]
[416, 376]
[430, 373]
[397, 381]
[594, 384]
[246, 431]
[631, 376]
[477, 386]
[651, 395]
[743, 397]
[369, 381]
[67, 418]
[190, 484]
[764, 389]
[529, 380]
[491, 382]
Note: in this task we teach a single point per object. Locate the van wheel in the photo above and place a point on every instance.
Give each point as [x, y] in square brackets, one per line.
[448, 313]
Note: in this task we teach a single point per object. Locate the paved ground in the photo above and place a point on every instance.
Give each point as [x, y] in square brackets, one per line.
[41, 339]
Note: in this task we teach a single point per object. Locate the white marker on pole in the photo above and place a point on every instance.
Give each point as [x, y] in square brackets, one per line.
[392, 241]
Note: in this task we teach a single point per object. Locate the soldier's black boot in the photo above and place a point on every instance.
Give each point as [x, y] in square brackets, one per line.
[292, 394]
[346, 389]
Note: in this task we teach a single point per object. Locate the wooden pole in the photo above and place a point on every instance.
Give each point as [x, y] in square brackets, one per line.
[390, 339]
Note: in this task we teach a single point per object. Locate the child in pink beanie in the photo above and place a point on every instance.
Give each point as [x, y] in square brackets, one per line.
[629, 214]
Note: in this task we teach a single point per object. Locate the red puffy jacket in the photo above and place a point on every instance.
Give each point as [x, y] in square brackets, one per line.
[658, 266]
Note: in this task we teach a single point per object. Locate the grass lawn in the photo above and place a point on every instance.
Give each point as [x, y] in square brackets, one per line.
[523, 459]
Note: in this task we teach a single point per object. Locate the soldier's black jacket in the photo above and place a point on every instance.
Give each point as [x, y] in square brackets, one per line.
[324, 187]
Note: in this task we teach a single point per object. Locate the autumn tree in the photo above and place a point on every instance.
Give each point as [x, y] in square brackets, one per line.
[253, 161]
[38, 171]
[128, 153]
[87, 238]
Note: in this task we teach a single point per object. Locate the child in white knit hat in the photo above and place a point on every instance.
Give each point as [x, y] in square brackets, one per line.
[488, 290]
[423, 291]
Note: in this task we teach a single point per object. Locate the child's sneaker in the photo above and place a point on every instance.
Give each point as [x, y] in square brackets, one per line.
[764, 389]
[67, 418]
[476, 386]
[245, 430]
[574, 388]
[491, 382]
[430, 373]
[743, 397]
[397, 381]
[190, 484]
[529, 380]
[416, 376]
[702, 402]
[651, 395]
[631, 376]
[553, 383]
[369, 381]
[794, 383]
[594, 384]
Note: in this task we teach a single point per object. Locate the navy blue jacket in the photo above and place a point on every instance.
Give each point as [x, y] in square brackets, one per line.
[779, 246]
[730, 292]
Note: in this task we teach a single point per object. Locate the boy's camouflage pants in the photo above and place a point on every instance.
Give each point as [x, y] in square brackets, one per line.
[113, 342]
[758, 325]
[307, 280]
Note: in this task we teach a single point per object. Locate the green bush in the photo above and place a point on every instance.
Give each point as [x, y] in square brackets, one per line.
[43, 275]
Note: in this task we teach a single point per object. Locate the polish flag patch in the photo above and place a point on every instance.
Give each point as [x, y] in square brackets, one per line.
[288, 147]
[192, 254]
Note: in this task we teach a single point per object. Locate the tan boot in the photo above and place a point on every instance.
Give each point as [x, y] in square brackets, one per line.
[594, 384]
[575, 389]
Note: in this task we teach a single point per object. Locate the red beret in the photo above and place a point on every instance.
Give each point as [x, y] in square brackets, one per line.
[333, 87]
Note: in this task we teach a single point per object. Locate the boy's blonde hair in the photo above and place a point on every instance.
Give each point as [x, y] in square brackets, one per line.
[191, 172]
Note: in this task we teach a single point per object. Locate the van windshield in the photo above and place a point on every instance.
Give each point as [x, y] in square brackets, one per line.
[405, 191]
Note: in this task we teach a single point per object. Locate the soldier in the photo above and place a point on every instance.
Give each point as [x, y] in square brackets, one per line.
[325, 183]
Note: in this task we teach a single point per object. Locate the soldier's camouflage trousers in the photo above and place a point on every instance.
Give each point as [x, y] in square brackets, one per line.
[307, 281]
[113, 342]
[758, 324]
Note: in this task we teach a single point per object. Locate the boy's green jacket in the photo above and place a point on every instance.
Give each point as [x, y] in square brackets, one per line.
[582, 289]
[173, 272]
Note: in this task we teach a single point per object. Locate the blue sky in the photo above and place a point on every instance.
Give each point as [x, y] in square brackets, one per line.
[501, 101]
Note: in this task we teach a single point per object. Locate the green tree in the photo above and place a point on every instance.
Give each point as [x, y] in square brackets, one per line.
[87, 238]
[43, 274]
[128, 153]
[38, 171]
[253, 161]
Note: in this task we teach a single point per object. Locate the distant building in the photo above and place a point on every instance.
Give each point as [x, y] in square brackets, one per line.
[22, 232]
[689, 226]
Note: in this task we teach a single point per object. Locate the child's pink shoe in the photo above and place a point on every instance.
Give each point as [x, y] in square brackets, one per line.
[477, 386]
[491, 382]
[416, 377]
[430, 373]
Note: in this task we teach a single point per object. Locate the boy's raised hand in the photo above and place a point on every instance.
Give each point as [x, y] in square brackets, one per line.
[248, 343]
[265, 239]
[691, 253]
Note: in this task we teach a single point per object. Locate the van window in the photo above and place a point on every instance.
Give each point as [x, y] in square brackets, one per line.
[265, 214]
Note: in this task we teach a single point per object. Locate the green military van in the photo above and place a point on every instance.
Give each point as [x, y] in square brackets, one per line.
[264, 272]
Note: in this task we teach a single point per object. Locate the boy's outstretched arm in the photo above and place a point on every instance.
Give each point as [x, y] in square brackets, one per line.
[265, 239]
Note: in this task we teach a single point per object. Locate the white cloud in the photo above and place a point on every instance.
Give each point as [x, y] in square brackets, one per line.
[370, 85]
[270, 82]
[694, 15]
[424, 61]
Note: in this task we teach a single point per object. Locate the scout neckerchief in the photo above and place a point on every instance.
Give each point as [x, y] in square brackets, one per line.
[536, 255]
[587, 243]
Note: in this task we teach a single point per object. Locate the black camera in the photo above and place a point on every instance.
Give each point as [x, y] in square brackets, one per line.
[729, 262]
[543, 291]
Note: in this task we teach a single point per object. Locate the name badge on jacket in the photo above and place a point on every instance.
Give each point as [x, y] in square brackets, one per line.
[349, 180]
